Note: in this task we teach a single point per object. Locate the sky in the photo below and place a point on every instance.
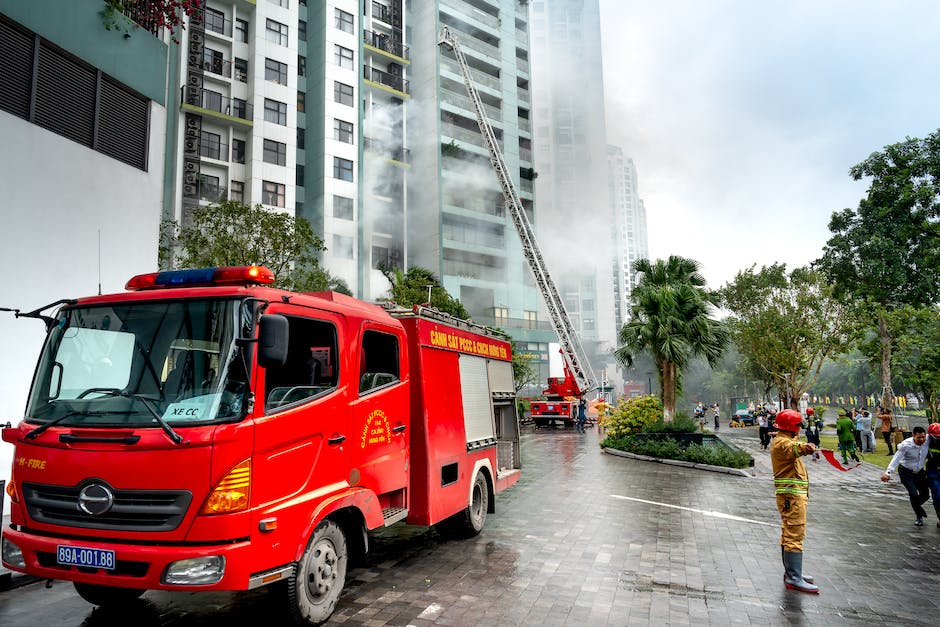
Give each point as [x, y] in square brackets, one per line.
[744, 116]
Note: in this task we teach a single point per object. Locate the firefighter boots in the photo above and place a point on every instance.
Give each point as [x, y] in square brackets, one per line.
[793, 577]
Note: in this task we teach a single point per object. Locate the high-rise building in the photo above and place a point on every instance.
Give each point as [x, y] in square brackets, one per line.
[571, 159]
[628, 217]
[458, 224]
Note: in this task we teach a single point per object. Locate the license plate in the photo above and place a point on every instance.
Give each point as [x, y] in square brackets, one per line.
[82, 556]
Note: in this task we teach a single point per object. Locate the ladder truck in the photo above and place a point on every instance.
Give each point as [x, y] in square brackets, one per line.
[564, 393]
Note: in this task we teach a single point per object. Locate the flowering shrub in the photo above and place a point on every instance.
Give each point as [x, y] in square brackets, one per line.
[151, 14]
[632, 415]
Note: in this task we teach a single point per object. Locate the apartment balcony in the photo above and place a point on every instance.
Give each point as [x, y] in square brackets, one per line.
[463, 101]
[393, 152]
[215, 65]
[206, 191]
[396, 82]
[480, 79]
[385, 43]
[198, 98]
[522, 65]
[475, 45]
[455, 132]
[525, 154]
[513, 323]
[469, 13]
[382, 13]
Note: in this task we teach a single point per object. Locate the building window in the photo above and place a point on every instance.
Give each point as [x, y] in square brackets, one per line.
[343, 21]
[301, 65]
[343, 131]
[275, 152]
[301, 101]
[212, 100]
[240, 108]
[236, 191]
[276, 33]
[342, 93]
[272, 193]
[281, 3]
[302, 30]
[275, 71]
[343, 57]
[301, 137]
[241, 30]
[241, 70]
[215, 21]
[210, 145]
[238, 150]
[501, 314]
[300, 175]
[342, 207]
[342, 169]
[275, 111]
[342, 247]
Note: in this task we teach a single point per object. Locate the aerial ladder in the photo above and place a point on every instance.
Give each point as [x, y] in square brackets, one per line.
[578, 373]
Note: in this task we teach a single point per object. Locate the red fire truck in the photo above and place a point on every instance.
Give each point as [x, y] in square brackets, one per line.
[203, 431]
[561, 400]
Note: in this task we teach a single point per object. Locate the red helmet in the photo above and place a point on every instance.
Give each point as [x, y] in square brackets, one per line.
[934, 429]
[789, 420]
[810, 411]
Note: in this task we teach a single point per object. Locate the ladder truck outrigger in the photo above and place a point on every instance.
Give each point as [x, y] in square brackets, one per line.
[563, 393]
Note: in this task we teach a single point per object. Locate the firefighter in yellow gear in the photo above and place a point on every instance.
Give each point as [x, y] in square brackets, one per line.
[792, 487]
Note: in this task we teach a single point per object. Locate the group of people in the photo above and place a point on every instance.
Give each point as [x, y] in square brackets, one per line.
[856, 431]
[701, 414]
[917, 462]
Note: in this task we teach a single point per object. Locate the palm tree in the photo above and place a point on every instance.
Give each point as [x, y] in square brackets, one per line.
[669, 319]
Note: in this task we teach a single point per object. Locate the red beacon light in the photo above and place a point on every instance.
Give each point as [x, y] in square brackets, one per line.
[202, 277]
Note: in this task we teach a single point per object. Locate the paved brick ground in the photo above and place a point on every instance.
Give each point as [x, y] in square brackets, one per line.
[592, 539]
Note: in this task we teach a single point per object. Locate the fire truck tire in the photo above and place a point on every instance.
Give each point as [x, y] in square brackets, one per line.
[106, 595]
[320, 575]
[470, 521]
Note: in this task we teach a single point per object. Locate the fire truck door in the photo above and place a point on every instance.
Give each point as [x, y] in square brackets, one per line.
[302, 438]
[381, 416]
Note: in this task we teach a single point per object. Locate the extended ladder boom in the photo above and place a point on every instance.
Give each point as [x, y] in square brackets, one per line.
[574, 353]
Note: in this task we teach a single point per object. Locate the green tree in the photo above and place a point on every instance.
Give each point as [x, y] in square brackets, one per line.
[886, 254]
[917, 353]
[787, 324]
[523, 371]
[411, 288]
[670, 318]
[233, 234]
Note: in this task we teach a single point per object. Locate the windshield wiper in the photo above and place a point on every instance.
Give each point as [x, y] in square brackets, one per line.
[173, 435]
[35, 433]
[170, 433]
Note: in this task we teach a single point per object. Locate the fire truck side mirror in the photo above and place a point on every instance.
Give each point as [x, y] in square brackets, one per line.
[272, 340]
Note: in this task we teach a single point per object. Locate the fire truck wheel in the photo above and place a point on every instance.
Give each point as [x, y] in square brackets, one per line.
[320, 575]
[470, 521]
[106, 595]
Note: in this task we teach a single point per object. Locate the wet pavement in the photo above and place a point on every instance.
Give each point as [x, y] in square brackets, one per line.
[587, 538]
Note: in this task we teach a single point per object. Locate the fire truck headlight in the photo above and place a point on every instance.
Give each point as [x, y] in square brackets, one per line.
[196, 571]
[12, 554]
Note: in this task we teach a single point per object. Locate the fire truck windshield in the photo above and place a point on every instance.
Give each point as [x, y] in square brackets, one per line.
[140, 364]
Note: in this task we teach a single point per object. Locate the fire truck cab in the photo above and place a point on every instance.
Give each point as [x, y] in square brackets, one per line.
[205, 432]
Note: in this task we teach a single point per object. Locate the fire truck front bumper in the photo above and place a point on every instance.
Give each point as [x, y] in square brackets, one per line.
[150, 567]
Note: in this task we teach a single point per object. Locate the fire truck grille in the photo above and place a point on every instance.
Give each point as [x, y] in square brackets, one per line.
[132, 510]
